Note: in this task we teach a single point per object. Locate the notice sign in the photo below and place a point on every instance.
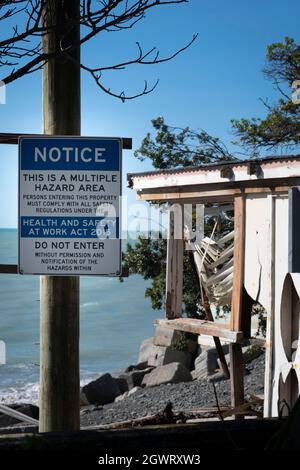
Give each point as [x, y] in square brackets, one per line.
[69, 206]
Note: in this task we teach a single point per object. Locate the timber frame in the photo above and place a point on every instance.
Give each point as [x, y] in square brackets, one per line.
[222, 183]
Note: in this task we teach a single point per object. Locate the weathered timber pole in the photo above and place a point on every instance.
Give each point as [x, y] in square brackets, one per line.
[59, 328]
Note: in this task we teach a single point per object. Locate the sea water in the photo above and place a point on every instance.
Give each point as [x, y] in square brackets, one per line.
[114, 318]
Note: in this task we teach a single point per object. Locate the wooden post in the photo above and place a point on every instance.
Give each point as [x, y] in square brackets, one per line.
[174, 268]
[59, 328]
[270, 307]
[236, 321]
[236, 374]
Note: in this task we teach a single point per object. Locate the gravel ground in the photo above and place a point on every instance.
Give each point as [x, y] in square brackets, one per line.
[183, 396]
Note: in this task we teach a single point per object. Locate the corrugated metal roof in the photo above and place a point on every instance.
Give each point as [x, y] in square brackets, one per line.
[214, 166]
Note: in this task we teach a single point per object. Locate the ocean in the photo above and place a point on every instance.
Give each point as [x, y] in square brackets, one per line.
[114, 318]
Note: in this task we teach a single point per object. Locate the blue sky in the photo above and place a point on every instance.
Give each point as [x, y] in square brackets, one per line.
[218, 78]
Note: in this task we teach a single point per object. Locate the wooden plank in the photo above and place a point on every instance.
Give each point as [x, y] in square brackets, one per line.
[236, 319]
[268, 190]
[236, 375]
[222, 195]
[204, 327]
[8, 269]
[174, 268]
[270, 309]
[13, 138]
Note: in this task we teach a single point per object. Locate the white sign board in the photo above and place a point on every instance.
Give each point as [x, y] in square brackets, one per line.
[69, 206]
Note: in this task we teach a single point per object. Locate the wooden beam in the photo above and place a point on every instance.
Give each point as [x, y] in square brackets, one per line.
[223, 195]
[204, 327]
[174, 269]
[236, 320]
[203, 197]
[270, 307]
[236, 375]
[13, 138]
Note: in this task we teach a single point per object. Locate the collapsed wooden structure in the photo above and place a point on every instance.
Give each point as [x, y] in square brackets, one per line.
[265, 198]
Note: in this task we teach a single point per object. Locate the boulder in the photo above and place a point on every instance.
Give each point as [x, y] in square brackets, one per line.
[169, 373]
[250, 352]
[139, 366]
[174, 355]
[205, 363]
[161, 355]
[101, 391]
[134, 390]
[83, 399]
[26, 409]
[121, 397]
[135, 377]
[122, 384]
[145, 349]
[156, 355]
[165, 336]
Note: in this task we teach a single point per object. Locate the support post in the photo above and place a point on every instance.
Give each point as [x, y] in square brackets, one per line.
[236, 320]
[174, 268]
[59, 327]
[236, 374]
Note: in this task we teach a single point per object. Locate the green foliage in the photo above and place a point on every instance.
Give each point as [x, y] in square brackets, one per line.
[181, 343]
[281, 126]
[174, 147]
[148, 258]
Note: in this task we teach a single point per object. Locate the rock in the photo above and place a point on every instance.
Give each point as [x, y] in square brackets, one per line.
[135, 377]
[83, 399]
[134, 390]
[161, 355]
[206, 363]
[26, 409]
[140, 366]
[217, 377]
[121, 397]
[250, 353]
[173, 355]
[192, 346]
[170, 373]
[122, 384]
[165, 336]
[145, 349]
[101, 391]
[156, 356]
